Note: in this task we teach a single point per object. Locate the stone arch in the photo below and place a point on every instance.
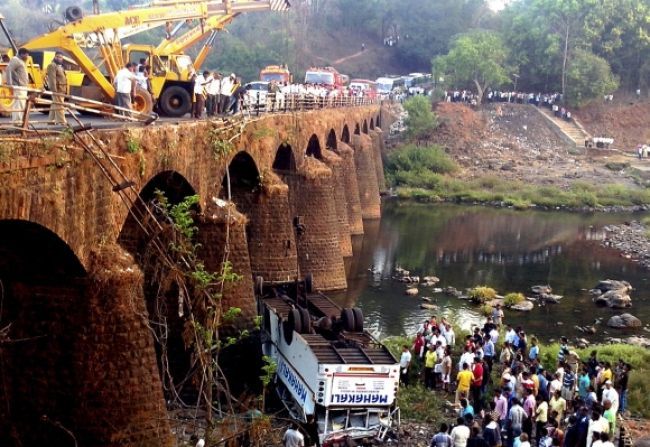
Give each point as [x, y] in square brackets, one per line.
[313, 148]
[175, 188]
[332, 141]
[365, 126]
[284, 161]
[378, 120]
[372, 124]
[345, 135]
[161, 297]
[42, 286]
[244, 179]
[357, 129]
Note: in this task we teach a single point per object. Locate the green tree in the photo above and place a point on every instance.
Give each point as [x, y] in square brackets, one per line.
[478, 57]
[589, 77]
[421, 121]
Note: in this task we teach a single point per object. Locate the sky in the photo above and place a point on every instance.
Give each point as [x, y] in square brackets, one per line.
[497, 5]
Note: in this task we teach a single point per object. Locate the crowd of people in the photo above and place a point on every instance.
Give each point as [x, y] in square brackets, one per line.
[552, 101]
[213, 94]
[506, 397]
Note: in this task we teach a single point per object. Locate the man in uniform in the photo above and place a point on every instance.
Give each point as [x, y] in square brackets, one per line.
[57, 83]
[17, 76]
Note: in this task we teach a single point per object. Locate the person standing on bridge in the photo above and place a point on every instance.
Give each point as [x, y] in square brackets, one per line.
[226, 91]
[57, 84]
[213, 90]
[125, 83]
[17, 77]
[200, 83]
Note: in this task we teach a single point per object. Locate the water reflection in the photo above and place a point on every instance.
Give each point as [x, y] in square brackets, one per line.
[466, 246]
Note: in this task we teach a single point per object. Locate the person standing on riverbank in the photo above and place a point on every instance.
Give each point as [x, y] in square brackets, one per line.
[497, 315]
[464, 381]
[293, 438]
[430, 359]
[477, 383]
[442, 438]
[404, 365]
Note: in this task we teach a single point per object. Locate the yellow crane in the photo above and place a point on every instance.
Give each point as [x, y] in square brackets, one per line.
[172, 69]
[102, 35]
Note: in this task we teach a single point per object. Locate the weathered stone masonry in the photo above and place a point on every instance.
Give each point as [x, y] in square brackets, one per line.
[77, 293]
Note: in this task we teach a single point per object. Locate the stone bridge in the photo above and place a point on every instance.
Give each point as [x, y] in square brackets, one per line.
[75, 287]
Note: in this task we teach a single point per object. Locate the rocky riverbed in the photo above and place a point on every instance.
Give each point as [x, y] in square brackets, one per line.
[631, 239]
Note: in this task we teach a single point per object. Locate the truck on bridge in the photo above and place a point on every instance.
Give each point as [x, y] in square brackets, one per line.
[329, 77]
[277, 73]
[328, 366]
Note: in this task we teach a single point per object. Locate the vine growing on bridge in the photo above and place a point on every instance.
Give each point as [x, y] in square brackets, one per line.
[199, 305]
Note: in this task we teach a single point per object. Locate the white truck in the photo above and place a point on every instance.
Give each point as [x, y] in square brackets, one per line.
[327, 365]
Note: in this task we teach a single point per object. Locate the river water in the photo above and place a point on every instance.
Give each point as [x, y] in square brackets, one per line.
[505, 249]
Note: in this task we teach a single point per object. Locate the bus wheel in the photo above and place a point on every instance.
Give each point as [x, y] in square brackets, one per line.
[347, 317]
[358, 319]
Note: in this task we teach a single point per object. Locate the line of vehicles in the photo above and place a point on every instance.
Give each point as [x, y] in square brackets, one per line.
[330, 80]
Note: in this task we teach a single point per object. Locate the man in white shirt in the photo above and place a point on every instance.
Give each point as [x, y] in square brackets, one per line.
[293, 438]
[226, 91]
[200, 82]
[404, 364]
[494, 336]
[467, 357]
[610, 394]
[214, 94]
[441, 338]
[125, 82]
[459, 434]
[450, 336]
[16, 74]
[555, 385]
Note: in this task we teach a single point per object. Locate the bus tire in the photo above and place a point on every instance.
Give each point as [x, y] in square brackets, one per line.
[175, 102]
[294, 323]
[305, 319]
[347, 317]
[259, 286]
[358, 319]
[309, 283]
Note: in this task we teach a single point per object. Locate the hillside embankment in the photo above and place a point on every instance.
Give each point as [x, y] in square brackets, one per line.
[510, 155]
[516, 143]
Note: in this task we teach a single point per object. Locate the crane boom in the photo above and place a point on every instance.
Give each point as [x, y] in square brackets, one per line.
[194, 35]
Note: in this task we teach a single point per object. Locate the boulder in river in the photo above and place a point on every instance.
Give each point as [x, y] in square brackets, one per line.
[611, 284]
[430, 281]
[624, 321]
[612, 293]
[614, 299]
[428, 306]
[413, 291]
[452, 291]
[541, 290]
[524, 306]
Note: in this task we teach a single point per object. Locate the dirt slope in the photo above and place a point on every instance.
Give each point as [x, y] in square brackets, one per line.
[626, 122]
[516, 142]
